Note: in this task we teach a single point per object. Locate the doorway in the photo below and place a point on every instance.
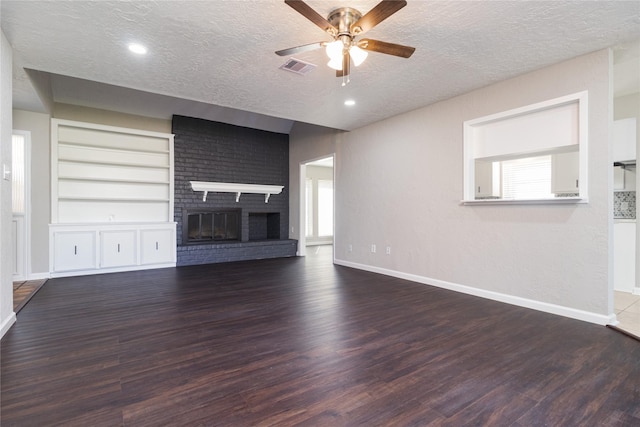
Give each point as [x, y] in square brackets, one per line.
[626, 141]
[20, 196]
[316, 203]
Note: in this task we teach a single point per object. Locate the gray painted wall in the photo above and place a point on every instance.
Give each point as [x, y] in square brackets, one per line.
[399, 184]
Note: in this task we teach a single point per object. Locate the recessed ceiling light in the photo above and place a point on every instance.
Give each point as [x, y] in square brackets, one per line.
[349, 102]
[137, 48]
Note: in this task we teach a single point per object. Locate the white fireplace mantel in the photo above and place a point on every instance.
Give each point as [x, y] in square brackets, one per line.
[230, 187]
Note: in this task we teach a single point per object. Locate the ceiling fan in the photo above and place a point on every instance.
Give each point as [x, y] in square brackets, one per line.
[344, 25]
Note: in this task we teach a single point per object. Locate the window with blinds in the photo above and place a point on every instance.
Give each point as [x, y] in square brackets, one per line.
[540, 149]
[527, 178]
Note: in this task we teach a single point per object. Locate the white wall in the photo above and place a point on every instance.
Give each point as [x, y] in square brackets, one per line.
[7, 316]
[399, 184]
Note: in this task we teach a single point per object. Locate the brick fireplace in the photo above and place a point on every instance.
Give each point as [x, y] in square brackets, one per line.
[218, 152]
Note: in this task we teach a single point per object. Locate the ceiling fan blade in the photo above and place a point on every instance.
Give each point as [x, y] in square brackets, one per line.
[379, 13]
[388, 48]
[313, 16]
[346, 65]
[299, 49]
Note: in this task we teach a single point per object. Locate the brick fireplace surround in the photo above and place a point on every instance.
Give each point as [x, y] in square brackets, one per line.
[218, 152]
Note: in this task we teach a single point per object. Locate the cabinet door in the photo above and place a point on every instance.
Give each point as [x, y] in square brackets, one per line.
[624, 140]
[484, 180]
[565, 169]
[118, 248]
[157, 246]
[74, 250]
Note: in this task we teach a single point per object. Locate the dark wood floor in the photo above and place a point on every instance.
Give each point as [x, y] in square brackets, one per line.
[302, 342]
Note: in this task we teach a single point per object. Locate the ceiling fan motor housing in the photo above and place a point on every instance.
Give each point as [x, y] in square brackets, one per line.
[343, 18]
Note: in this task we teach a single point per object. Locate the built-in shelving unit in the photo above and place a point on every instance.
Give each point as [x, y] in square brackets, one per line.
[109, 186]
[238, 189]
[106, 174]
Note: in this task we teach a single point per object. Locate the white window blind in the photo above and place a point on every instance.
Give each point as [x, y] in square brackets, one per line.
[528, 178]
[309, 207]
[325, 208]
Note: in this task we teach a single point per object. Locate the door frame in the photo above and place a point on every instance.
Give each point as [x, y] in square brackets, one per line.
[302, 209]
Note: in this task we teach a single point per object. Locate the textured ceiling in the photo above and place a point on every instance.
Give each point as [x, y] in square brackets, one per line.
[220, 55]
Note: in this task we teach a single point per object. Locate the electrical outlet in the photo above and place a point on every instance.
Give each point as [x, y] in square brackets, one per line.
[373, 249]
[350, 248]
[388, 250]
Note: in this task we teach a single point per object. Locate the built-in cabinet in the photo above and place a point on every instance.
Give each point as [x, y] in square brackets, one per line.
[112, 199]
[565, 172]
[78, 249]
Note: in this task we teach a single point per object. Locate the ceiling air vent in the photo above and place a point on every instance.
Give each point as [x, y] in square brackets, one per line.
[297, 66]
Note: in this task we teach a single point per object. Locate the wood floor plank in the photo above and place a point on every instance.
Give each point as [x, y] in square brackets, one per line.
[300, 341]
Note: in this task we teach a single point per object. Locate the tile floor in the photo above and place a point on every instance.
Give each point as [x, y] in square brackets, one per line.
[627, 308]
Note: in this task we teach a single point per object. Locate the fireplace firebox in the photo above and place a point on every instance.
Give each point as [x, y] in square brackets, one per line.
[211, 226]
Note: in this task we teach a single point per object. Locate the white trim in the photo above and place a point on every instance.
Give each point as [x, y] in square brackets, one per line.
[8, 323]
[557, 200]
[112, 270]
[302, 209]
[559, 310]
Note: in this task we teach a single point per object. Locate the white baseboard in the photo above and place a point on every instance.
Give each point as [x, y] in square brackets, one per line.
[319, 242]
[636, 291]
[71, 273]
[7, 323]
[560, 310]
[39, 276]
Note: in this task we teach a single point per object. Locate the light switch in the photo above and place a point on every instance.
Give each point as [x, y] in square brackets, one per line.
[6, 172]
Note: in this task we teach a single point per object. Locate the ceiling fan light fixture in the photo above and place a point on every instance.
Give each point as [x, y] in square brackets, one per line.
[335, 63]
[358, 55]
[334, 50]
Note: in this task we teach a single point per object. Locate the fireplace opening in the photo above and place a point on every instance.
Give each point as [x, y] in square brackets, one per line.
[211, 226]
[264, 225]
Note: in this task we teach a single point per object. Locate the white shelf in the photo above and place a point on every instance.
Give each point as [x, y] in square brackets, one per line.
[116, 180]
[238, 189]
